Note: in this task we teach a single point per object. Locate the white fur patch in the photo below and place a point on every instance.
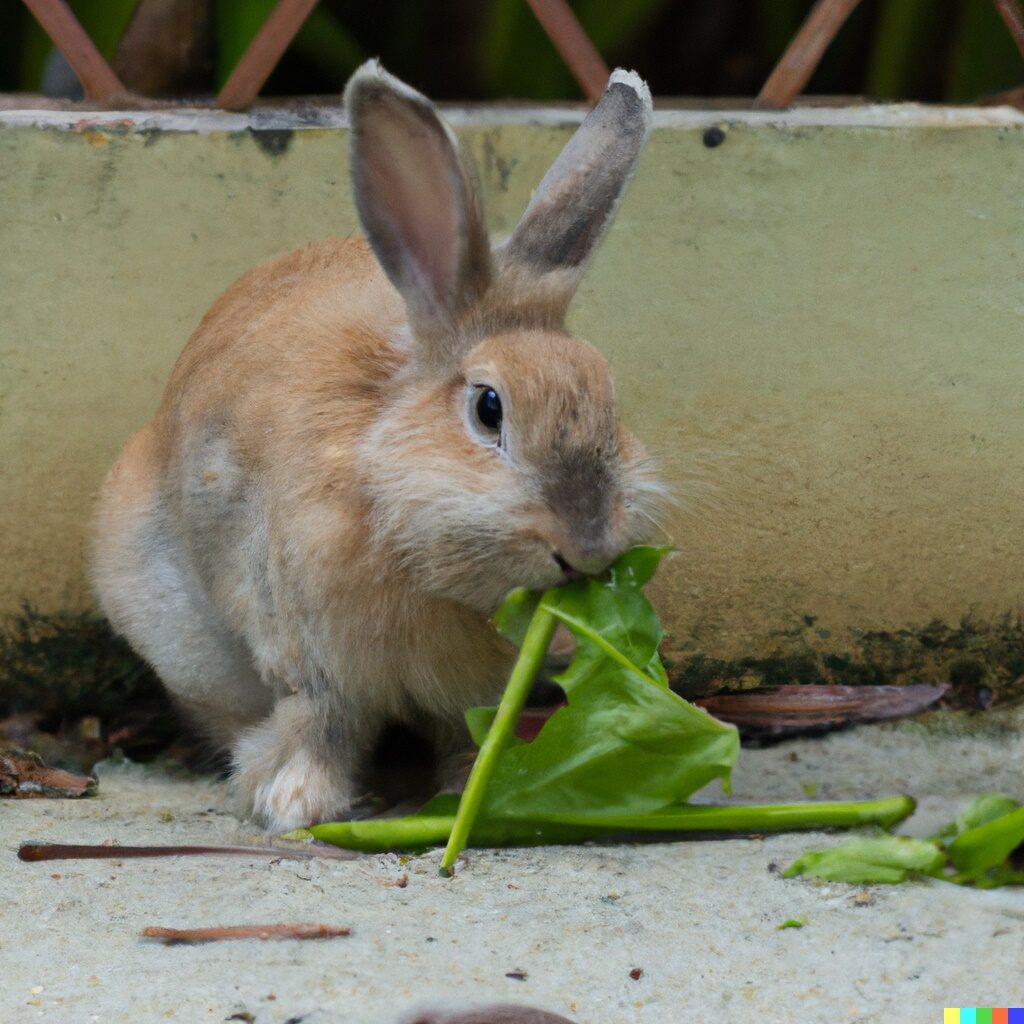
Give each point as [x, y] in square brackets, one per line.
[282, 782]
[373, 71]
[635, 82]
[301, 793]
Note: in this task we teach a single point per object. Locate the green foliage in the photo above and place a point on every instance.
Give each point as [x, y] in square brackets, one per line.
[862, 861]
[984, 58]
[625, 754]
[519, 60]
[904, 30]
[956, 50]
[236, 22]
[987, 847]
[977, 849]
[625, 744]
[792, 922]
[104, 20]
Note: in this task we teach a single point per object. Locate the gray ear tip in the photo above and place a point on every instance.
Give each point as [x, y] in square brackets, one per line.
[371, 80]
[368, 74]
[630, 79]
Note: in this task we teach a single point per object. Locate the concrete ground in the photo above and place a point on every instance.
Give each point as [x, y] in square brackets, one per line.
[558, 928]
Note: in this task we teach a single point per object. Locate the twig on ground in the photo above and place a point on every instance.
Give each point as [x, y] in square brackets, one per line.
[62, 851]
[24, 776]
[801, 708]
[246, 931]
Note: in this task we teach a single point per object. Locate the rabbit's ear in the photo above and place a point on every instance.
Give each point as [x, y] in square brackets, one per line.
[575, 201]
[417, 200]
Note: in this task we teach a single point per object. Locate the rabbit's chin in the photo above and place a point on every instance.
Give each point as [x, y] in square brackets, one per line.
[482, 581]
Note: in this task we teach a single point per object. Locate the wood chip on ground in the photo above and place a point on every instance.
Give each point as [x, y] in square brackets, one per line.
[171, 936]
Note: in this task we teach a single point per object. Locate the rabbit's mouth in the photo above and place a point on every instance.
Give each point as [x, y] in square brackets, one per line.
[569, 573]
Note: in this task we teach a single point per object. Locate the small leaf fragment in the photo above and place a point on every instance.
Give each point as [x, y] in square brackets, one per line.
[637, 566]
[882, 859]
[980, 811]
[978, 849]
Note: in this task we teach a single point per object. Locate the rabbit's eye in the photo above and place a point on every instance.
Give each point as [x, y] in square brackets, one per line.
[484, 414]
[488, 409]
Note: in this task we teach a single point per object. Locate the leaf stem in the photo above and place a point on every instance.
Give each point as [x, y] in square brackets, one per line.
[531, 655]
[412, 832]
[752, 817]
[595, 637]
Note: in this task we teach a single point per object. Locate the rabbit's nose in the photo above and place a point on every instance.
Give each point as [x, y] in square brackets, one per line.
[583, 563]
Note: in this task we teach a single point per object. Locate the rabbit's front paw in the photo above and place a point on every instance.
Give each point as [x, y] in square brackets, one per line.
[284, 782]
[302, 792]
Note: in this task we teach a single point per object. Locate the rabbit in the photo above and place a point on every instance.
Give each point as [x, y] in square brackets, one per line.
[364, 446]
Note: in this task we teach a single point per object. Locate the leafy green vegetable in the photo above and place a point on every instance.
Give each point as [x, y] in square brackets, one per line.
[622, 757]
[612, 619]
[976, 849]
[980, 811]
[516, 613]
[624, 745]
[535, 645]
[434, 824]
[618, 748]
[861, 861]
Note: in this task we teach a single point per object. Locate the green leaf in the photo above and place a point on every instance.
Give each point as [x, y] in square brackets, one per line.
[885, 859]
[637, 566]
[983, 809]
[514, 615]
[980, 811]
[621, 746]
[793, 922]
[611, 618]
[479, 722]
[986, 846]
[625, 744]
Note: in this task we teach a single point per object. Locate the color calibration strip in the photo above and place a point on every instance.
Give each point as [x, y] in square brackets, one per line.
[983, 1015]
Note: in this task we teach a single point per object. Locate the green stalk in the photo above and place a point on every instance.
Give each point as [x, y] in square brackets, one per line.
[531, 655]
[751, 818]
[595, 637]
[380, 835]
[383, 834]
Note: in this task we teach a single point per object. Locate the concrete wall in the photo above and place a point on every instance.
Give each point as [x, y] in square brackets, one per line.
[818, 325]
